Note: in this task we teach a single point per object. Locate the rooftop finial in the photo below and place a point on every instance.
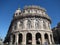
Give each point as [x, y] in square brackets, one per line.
[18, 8]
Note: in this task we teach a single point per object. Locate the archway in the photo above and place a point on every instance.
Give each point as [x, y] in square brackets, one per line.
[20, 39]
[46, 39]
[38, 38]
[29, 38]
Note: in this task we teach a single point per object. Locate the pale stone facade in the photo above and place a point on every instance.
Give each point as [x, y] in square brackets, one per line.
[30, 26]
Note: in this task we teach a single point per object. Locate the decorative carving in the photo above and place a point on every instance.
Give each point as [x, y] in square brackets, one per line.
[48, 25]
[44, 24]
[15, 26]
[37, 23]
[29, 23]
[21, 24]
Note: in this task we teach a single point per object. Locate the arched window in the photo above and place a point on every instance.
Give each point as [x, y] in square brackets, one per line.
[28, 11]
[19, 13]
[20, 39]
[16, 14]
[13, 39]
[29, 38]
[38, 38]
[46, 39]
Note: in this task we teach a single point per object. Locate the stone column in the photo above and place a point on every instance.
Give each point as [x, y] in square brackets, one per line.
[18, 24]
[41, 24]
[34, 23]
[33, 39]
[50, 26]
[42, 37]
[24, 38]
[25, 23]
[47, 25]
[16, 39]
[49, 38]
[11, 40]
[53, 40]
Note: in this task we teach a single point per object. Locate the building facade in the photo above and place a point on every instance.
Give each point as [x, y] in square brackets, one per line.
[56, 33]
[30, 26]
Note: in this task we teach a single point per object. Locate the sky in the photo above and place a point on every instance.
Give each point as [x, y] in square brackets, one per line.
[8, 7]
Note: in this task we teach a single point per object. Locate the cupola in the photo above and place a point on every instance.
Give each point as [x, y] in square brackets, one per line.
[17, 12]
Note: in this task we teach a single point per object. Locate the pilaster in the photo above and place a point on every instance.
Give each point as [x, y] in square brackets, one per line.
[11, 40]
[43, 39]
[24, 39]
[49, 38]
[16, 39]
[33, 39]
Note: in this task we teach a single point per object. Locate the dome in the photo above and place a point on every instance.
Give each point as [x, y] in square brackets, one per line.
[34, 7]
[18, 10]
[32, 11]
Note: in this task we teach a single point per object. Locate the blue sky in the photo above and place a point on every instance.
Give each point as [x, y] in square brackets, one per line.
[8, 7]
